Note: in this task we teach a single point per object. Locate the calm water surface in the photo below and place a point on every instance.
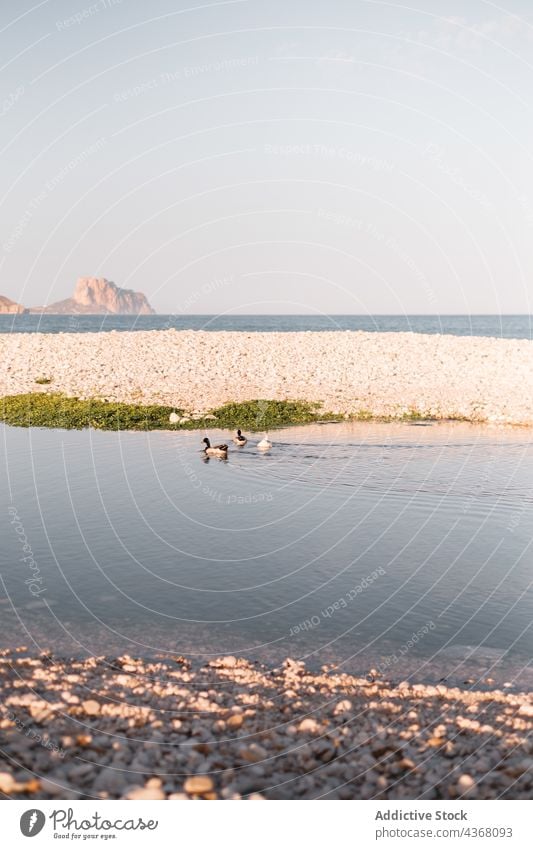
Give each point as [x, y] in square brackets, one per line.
[505, 326]
[403, 546]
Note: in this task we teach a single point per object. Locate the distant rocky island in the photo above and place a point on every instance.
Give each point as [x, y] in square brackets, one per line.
[7, 306]
[92, 296]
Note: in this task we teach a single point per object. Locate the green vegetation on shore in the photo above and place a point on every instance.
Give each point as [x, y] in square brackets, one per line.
[52, 409]
[262, 415]
[56, 410]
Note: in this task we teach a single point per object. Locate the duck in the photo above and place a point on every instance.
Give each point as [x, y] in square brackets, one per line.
[239, 439]
[215, 450]
[265, 443]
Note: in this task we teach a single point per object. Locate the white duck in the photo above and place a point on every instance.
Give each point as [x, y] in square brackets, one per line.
[265, 444]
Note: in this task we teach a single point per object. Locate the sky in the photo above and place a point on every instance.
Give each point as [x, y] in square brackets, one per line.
[353, 156]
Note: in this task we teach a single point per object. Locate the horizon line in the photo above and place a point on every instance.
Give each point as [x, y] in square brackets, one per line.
[285, 315]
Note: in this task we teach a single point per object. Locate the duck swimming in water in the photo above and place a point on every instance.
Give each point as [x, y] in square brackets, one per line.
[239, 439]
[265, 443]
[215, 450]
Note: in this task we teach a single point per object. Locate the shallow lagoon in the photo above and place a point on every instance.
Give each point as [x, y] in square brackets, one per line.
[401, 546]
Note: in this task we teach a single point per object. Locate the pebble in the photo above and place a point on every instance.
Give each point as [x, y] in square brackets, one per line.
[308, 725]
[91, 707]
[253, 753]
[228, 662]
[465, 783]
[7, 782]
[197, 785]
[109, 780]
[183, 722]
[344, 706]
[144, 793]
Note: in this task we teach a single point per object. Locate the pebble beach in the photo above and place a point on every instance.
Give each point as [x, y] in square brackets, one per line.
[130, 728]
[347, 373]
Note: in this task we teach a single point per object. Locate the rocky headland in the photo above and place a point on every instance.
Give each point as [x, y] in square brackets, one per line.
[92, 296]
[9, 307]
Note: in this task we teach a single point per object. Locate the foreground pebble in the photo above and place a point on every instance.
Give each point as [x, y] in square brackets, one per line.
[198, 785]
[140, 729]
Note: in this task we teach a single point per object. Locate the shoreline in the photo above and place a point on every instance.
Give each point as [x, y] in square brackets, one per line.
[53, 410]
[351, 374]
[123, 727]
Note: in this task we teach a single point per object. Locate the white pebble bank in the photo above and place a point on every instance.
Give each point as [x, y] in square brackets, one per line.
[386, 374]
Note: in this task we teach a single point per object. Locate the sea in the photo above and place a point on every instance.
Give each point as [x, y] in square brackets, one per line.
[502, 326]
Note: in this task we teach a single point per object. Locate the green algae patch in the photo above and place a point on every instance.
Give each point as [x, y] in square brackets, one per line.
[54, 410]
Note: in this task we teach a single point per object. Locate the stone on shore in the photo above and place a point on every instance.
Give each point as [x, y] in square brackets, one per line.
[197, 785]
[232, 729]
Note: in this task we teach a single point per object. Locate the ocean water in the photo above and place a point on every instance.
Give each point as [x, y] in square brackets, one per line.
[400, 546]
[503, 326]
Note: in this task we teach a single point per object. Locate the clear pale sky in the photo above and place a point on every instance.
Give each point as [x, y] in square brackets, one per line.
[348, 156]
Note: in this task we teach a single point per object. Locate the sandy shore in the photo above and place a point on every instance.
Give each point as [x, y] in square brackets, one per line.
[386, 374]
[140, 729]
